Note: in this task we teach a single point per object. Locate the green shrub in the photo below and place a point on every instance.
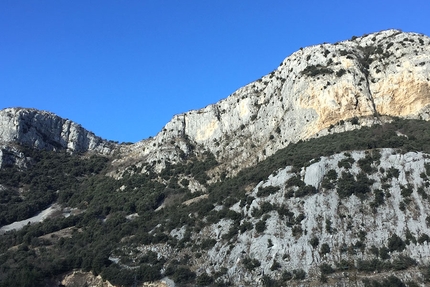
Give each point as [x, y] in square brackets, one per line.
[294, 181]
[297, 230]
[406, 191]
[340, 73]
[250, 264]
[348, 185]
[265, 191]
[299, 274]
[391, 281]
[260, 226]
[345, 163]
[204, 280]
[286, 276]
[370, 265]
[344, 265]
[314, 242]
[325, 249]
[315, 70]
[305, 190]
[326, 269]
[403, 262]
[395, 243]
[393, 172]
[183, 275]
[275, 265]
[423, 238]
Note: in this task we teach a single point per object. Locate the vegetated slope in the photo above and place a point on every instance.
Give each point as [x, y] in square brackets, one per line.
[329, 209]
[301, 177]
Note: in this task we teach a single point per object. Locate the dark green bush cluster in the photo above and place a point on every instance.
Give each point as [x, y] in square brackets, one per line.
[315, 70]
[347, 185]
[391, 281]
[325, 249]
[346, 163]
[250, 264]
[330, 179]
[340, 73]
[366, 163]
[314, 242]
[265, 191]
[103, 227]
[395, 243]
[326, 269]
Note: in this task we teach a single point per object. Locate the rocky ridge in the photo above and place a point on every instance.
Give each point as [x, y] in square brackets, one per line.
[45, 130]
[349, 226]
[331, 220]
[316, 91]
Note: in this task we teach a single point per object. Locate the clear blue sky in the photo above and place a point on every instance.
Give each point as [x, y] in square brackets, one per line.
[122, 69]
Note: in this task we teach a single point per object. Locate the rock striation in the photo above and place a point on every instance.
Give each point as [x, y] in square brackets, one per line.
[315, 91]
[45, 130]
[296, 227]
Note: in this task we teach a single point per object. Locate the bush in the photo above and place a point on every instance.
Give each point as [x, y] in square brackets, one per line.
[297, 230]
[326, 269]
[369, 265]
[204, 280]
[423, 238]
[403, 262]
[299, 274]
[344, 265]
[305, 190]
[391, 281]
[314, 242]
[395, 243]
[286, 276]
[260, 226]
[250, 264]
[340, 73]
[294, 181]
[265, 191]
[325, 248]
[275, 265]
[316, 70]
[183, 275]
[384, 253]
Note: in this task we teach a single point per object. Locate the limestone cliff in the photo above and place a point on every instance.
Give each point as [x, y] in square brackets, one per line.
[317, 90]
[45, 130]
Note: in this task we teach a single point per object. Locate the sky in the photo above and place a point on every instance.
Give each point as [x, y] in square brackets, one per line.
[123, 69]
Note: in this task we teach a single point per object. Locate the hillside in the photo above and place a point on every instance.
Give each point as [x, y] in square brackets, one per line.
[317, 174]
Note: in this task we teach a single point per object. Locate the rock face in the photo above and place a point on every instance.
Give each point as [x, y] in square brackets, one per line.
[44, 130]
[297, 224]
[351, 210]
[315, 91]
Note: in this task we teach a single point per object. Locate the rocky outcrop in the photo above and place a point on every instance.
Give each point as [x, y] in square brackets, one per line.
[315, 91]
[299, 220]
[11, 156]
[80, 278]
[45, 130]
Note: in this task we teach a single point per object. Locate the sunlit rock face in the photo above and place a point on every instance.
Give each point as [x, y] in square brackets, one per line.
[45, 130]
[315, 91]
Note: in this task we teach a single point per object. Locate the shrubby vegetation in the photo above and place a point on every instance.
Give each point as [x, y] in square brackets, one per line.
[102, 229]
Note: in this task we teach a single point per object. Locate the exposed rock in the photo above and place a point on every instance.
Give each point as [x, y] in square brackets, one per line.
[10, 155]
[44, 130]
[343, 223]
[315, 91]
[80, 278]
